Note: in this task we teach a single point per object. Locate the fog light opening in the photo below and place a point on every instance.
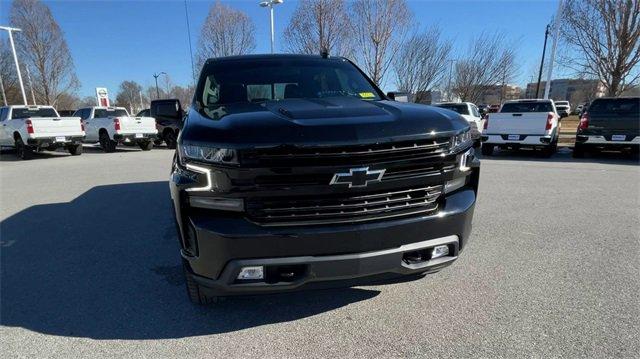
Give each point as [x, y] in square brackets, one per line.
[440, 251]
[251, 273]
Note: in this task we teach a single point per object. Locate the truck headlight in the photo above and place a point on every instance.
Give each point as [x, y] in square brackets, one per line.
[461, 141]
[208, 154]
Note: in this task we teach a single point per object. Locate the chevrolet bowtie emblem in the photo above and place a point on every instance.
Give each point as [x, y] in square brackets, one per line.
[358, 177]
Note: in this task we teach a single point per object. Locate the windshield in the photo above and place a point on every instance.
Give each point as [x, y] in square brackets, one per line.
[109, 112]
[227, 82]
[533, 106]
[459, 108]
[22, 112]
[616, 105]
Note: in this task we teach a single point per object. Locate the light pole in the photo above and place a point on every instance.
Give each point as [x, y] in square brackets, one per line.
[155, 76]
[544, 50]
[33, 96]
[10, 30]
[270, 4]
[4, 97]
[556, 35]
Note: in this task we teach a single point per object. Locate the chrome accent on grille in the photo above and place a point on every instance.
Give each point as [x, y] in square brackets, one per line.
[346, 208]
[336, 155]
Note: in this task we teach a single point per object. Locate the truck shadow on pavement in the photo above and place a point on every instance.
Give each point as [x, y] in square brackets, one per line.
[106, 266]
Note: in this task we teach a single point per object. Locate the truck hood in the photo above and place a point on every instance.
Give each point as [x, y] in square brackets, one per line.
[309, 122]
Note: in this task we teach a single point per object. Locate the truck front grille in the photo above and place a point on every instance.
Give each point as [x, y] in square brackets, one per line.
[344, 208]
[346, 155]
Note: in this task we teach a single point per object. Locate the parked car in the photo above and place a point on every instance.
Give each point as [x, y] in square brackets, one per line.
[144, 113]
[36, 128]
[112, 125]
[296, 171]
[522, 124]
[169, 115]
[469, 112]
[577, 110]
[563, 108]
[609, 124]
[493, 108]
[583, 109]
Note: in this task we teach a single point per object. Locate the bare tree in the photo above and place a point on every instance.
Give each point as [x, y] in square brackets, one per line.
[421, 62]
[42, 48]
[129, 96]
[8, 74]
[606, 35]
[225, 32]
[319, 25]
[379, 28]
[490, 61]
[87, 101]
[68, 102]
[184, 94]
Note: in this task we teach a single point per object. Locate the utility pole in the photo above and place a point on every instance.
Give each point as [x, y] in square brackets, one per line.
[141, 102]
[544, 49]
[10, 30]
[193, 70]
[451, 61]
[4, 97]
[556, 35]
[33, 96]
[155, 76]
[504, 75]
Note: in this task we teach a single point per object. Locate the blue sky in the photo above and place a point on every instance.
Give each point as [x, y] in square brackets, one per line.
[112, 41]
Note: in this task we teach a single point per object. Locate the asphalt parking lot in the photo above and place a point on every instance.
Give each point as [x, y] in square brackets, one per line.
[90, 267]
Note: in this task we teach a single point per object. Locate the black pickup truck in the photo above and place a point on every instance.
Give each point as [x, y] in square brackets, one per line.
[296, 172]
[609, 124]
[168, 114]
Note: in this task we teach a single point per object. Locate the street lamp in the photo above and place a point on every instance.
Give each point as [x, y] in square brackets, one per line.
[270, 4]
[10, 30]
[155, 76]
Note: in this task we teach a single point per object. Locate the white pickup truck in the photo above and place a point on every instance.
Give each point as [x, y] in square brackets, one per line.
[36, 128]
[112, 125]
[522, 124]
[469, 112]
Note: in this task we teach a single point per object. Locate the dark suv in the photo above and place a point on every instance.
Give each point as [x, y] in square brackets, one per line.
[296, 171]
[609, 124]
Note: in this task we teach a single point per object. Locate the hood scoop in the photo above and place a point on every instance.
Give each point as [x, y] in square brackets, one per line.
[337, 107]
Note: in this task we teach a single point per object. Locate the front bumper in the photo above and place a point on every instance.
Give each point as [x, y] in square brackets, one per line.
[318, 271]
[329, 255]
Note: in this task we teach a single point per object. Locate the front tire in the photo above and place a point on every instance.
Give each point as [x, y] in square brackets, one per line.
[487, 149]
[23, 152]
[145, 145]
[106, 143]
[170, 139]
[194, 291]
[75, 150]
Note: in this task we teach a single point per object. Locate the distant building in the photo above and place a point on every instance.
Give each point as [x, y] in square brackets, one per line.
[576, 91]
[496, 94]
[431, 97]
